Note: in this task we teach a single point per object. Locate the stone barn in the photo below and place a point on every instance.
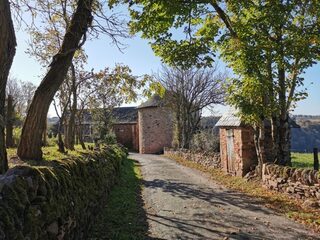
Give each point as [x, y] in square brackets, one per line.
[237, 149]
[155, 126]
[125, 127]
[147, 128]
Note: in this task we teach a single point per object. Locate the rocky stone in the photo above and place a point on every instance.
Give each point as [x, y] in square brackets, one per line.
[310, 204]
[53, 228]
[299, 183]
[41, 196]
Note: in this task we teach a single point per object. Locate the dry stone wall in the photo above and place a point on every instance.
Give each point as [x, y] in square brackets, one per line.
[57, 201]
[207, 160]
[299, 183]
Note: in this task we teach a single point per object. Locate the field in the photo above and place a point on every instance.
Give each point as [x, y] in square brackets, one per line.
[302, 160]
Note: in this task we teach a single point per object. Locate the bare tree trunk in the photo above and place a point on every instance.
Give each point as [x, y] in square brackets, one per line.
[259, 141]
[30, 144]
[284, 141]
[60, 140]
[284, 157]
[275, 137]
[70, 136]
[81, 137]
[60, 143]
[9, 122]
[7, 52]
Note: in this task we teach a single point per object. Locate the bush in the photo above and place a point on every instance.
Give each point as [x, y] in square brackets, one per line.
[205, 142]
[109, 138]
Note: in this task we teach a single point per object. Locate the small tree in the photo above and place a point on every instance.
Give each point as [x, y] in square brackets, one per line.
[188, 93]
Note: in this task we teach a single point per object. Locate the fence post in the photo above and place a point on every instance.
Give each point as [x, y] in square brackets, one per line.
[315, 159]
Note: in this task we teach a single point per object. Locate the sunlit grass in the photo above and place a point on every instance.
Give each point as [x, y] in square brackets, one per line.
[302, 160]
[123, 216]
[49, 153]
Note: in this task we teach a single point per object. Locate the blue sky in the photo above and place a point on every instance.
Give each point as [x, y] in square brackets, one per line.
[139, 57]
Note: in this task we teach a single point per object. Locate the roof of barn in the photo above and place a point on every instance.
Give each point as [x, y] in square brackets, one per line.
[154, 101]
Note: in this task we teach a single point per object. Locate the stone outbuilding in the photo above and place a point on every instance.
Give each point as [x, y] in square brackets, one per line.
[237, 149]
[155, 126]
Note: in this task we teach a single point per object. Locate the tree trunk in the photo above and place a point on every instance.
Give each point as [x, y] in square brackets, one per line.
[30, 144]
[70, 136]
[284, 141]
[7, 52]
[259, 141]
[284, 157]
[275, 137]
[9, 122]
[81, 137]
[44, 135]
[60, 143]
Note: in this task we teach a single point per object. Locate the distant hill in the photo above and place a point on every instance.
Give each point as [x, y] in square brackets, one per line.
[307, 137]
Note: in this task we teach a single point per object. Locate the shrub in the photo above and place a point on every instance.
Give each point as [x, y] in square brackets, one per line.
[205, 142]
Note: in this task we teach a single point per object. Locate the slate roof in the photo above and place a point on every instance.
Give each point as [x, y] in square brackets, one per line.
[230, 119]
[119, 114]
[154, 101]
[125, 114]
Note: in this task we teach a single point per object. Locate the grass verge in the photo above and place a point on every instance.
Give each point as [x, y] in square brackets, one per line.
[302, 160]
[123, 216]
[280, 202]
[49, 153]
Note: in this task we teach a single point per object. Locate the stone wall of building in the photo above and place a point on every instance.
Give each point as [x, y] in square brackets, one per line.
[58, 200]
[298, 183]
[155, 129]
[244, 155]
[207, 160]
[244, 152]
[127, 134]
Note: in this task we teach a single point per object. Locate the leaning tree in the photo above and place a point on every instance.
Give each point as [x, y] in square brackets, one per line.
[7, 52]
[88, 14]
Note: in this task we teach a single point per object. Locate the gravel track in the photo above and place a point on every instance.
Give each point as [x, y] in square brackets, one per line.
[183, 203]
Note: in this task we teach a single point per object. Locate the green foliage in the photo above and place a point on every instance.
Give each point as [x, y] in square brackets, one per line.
[16, 135]
[259, 40]
[160, 20]
[109, 138]
[205, 142]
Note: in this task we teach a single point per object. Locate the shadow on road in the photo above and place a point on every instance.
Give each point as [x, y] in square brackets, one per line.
[220, 221]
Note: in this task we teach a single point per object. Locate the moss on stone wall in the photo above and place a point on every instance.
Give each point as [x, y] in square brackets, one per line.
[57, 201]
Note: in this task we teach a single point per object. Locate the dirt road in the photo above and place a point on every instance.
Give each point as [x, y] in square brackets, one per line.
[183, 203]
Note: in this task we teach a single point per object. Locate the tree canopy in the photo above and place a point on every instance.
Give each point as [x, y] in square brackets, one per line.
[268, 44]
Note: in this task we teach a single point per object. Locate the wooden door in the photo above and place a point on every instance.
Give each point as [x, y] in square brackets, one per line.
[230, 151]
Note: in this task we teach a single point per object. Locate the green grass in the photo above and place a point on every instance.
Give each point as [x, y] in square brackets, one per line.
[123, 216]
[49, 154]
[302, 160]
